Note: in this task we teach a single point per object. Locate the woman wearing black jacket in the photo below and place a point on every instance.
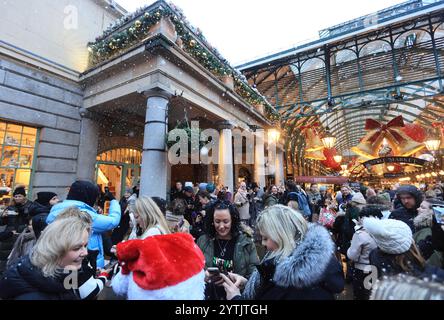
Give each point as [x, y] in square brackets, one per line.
[300, 263]
[57, 268]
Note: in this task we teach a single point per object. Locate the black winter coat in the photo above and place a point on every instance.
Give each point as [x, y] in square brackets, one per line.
[311, 272]
[23, 281]
[122, 229]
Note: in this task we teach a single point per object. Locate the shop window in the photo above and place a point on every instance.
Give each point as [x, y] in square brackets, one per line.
[17, 150]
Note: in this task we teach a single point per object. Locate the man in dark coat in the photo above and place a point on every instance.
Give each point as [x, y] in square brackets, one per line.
[46, 200]
[24, 208]
[410, 198]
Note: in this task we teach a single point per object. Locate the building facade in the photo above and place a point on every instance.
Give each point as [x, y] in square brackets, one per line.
[66, 115]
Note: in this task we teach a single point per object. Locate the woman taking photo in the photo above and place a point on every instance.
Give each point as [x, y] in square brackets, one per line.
[225, 247]
[300, 263]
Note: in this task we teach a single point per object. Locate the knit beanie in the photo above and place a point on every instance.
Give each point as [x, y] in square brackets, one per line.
[43, 197]
[19, 190]
[391, 236]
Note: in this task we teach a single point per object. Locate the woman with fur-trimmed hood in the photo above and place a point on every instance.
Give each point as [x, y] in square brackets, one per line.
[423, 223]
[300, 263]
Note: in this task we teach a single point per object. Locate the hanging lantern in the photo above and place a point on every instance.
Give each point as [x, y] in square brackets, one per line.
[343, 167]
[433, 141]
[329, 140]
[338, 158]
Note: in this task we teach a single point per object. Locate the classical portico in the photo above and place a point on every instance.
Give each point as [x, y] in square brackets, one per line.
[157, 84]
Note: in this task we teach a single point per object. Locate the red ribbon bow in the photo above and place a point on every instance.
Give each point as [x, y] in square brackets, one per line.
[391, 127]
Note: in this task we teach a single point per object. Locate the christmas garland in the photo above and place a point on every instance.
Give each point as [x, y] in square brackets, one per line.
[110, 45]
[184, 125]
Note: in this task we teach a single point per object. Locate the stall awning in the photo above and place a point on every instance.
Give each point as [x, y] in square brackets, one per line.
[321, 179]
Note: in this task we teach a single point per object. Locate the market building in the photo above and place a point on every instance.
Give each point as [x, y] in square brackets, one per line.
[80, 99]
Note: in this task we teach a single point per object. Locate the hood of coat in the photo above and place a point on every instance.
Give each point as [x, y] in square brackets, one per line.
[305, 267]
[423, 220]
[412, 190]
[308, 262]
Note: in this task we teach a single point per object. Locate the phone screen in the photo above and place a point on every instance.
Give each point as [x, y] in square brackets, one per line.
[439, 214]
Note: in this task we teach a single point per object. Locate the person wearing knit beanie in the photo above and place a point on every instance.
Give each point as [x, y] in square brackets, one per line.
[391, 236]
[397, 253]
[19, 191]
[44, 198]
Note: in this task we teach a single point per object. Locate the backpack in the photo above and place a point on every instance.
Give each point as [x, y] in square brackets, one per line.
[327, 217]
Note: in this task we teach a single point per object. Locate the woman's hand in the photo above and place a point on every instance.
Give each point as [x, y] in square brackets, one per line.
[209, 278]
[230, 288]
[238, 280]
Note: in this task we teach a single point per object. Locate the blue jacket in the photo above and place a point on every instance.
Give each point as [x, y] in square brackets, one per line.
[101, 223]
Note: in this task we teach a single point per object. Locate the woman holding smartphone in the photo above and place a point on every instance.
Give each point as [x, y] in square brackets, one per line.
[300, 263]
[225, 247]
[423, 225]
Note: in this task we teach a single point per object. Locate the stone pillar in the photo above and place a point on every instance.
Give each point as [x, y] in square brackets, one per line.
[225, 167]
[154, 171]
[89, 140]
[259, 157]
[279, 173]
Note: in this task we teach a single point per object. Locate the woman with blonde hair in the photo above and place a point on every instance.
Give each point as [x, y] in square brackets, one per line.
[150, 220]
[300, 263]
[55, 268]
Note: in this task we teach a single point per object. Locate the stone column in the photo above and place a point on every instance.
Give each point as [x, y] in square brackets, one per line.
[279, 173]
[89, 140]
[154, 171]
[225, 167]
[259, 157]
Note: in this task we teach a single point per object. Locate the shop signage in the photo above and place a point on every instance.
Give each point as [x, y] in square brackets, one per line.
[321, 179]
[408, 160]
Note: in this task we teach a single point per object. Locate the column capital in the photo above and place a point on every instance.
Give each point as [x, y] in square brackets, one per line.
[157, 90]
[255, 128]
[225, 124]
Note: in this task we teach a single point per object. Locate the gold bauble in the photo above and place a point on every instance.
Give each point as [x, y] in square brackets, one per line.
[192, 43]
[137, 24]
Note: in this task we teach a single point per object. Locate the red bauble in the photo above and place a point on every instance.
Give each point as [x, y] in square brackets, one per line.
[415, 131]
[330, 162]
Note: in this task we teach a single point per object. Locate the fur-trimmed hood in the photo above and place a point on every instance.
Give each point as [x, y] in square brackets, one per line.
[305, 267]
[423, 220]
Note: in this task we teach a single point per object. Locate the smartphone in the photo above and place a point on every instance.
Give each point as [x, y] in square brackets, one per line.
[439, 214]
[214, 272]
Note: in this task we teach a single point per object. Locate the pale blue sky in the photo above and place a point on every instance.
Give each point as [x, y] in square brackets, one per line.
[243, 30]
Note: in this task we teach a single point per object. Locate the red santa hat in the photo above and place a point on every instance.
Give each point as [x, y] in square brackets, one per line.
[163, 267]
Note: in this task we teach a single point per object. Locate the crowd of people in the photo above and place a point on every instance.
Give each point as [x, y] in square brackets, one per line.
[205, 242]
